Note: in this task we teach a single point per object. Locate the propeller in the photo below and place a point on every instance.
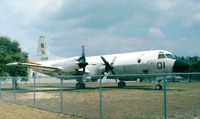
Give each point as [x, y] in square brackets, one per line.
[82, 61]
[109, 67]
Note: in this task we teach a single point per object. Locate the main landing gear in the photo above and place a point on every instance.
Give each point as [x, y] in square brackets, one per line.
[158, 87]
[121, 84]
[80, 85]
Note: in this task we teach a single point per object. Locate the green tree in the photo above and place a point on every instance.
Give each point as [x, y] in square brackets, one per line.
[10, 51]
[194, 63]
[194, 66]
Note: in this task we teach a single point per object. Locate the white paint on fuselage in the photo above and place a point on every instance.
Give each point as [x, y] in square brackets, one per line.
[125, 63]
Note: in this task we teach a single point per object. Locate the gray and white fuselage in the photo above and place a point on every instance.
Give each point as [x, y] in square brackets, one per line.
[144, 62]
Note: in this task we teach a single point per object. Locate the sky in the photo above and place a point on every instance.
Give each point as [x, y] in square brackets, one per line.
[103, 26]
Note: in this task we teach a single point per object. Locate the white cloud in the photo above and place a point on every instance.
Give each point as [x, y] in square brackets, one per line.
[165, 5]
[156, 33]
[193, 20]
[196, 17]
[121, 26]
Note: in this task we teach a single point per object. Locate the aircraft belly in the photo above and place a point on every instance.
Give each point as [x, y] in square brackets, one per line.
[135, 78]
[44, 71]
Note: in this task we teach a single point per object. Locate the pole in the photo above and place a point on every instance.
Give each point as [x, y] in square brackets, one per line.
[61, 96]
[100, 95]
[0, 89]
[14, 91]
[165, 99]
[34, 77]
[100, 100]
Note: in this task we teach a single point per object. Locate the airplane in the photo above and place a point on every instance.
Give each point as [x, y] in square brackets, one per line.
[143, 62]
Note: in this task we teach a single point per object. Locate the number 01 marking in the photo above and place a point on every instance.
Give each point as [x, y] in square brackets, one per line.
[161, 65]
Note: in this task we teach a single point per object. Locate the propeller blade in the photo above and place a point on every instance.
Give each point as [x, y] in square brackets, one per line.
[109, 67]
[83, 69]
[113, 72]
[83, 52]
[113, 60]
[104, 60]
[82, 61]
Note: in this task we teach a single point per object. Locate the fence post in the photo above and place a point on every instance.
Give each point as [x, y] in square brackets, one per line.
[34, 77]
[100, 95]
[14, 89]
[0, 89]
[61, 96]
[100, 99]
[164, 98]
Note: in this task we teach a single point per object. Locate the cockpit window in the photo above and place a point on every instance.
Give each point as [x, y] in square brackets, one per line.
[170, 56]
[161, 56]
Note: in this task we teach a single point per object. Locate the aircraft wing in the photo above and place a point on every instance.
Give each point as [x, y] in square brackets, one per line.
[36, 66]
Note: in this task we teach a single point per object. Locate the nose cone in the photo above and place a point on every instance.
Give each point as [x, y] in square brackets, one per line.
[180, 66]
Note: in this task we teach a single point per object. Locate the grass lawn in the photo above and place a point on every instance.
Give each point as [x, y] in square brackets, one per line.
[137, 100]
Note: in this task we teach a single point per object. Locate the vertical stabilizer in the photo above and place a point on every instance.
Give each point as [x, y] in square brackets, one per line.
[43, 52]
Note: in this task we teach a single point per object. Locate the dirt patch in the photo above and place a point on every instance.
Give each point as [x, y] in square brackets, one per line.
[137, 100]
[38, 95]
[10, 111]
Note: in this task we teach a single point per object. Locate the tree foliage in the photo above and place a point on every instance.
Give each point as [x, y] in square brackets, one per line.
[193, 61]
[194, 66]
[10, 51]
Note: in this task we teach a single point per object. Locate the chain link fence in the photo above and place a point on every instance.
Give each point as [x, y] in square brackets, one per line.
[180, 97]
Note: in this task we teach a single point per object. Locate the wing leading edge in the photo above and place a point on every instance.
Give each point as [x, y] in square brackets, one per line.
[36, 66]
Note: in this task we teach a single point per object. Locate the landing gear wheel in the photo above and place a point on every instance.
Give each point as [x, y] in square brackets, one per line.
[158, 87]
[121, 84]
[80, 86]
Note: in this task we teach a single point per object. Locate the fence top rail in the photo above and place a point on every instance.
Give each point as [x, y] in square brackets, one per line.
[110, 75]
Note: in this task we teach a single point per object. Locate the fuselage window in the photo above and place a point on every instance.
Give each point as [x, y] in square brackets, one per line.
[161, 56]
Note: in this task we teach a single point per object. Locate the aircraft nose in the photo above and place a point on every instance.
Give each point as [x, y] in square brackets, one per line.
[180, 66]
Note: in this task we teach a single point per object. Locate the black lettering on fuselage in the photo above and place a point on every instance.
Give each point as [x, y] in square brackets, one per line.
[44, 58]
[161, 65]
